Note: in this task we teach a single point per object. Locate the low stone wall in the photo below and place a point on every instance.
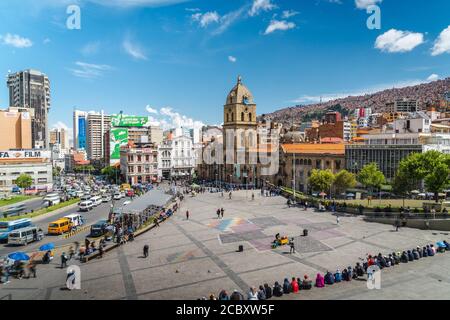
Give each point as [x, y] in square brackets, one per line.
[423, 224]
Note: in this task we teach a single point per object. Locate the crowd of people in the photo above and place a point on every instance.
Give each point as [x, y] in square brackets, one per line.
[360, 270]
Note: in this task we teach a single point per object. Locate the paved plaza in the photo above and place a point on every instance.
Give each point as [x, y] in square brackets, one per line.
[193, 258]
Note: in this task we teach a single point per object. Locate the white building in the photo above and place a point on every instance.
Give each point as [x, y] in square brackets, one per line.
[34, 163]
[176, 158]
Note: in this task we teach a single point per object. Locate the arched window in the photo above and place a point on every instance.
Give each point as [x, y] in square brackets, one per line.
[250, 117]
[228, 117]
[232, 117]
[242, 116]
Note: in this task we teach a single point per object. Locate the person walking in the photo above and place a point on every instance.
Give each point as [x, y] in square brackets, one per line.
[253, 196]
[100, 251]
[337, 220]
[187, 215]
[292, 245]
[397, 225]
[64, 259]
[218, 213]
[221, 212]
[32, 269]
[146, 248]
[230, 195]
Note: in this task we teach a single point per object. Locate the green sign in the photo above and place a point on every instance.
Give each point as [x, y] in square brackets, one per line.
[129, 121]
[119, 137]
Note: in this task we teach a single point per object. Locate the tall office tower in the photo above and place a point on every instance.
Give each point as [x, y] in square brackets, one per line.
[31, 89]
[97, 125]
[79, 129]
[59, 136]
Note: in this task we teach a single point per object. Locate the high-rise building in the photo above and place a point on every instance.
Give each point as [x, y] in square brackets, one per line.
[31, 89]
[59, 136]
[79, 129]
[97, 125]
[17, 124]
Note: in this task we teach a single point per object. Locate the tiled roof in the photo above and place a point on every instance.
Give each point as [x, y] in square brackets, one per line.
[310, 148]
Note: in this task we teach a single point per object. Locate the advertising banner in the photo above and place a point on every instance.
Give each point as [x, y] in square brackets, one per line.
[119, 137]
[129, 121]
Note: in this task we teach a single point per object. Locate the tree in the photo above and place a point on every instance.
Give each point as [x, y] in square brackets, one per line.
[344, 180]
[402, 185]
[112, 174]
[56, 171]
[24, 181]
[371, 177]
[432, 167]
[321, 180]
[437, 180]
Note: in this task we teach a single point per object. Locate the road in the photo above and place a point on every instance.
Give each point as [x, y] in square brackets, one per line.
[99, 213]
[34, 205]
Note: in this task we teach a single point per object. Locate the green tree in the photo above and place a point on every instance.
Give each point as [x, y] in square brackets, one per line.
[432, 167]
[344, 180]
[112, 174]
[24, 181]
[56, 171]
[371, 177]
[321, 180]
[402, 185]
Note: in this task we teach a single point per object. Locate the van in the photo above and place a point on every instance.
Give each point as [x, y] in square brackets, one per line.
[80, 193]
[85, 205]
[25, 235]
[85, 197]
[97, 200]
[76, 219]
[53, 199]
[60, 226]
[117, 196]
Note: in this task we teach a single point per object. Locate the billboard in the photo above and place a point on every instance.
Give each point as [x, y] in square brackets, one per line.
[118, 138]
[81, 133]
[129, 121]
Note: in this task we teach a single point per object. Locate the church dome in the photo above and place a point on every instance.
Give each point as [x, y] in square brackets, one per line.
[240, 94]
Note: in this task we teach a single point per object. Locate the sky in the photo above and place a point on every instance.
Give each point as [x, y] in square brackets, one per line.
[176, 60]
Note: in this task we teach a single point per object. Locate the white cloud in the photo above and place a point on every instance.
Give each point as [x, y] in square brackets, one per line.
[207, 18]
[89, 70]
[261, 5]
[442, 43]
[325, 97]
[433, 77]
[289, 13]
[90, 48]
[151, 110]
[169, 119]
[398, 41]
[232, 59]
[136, 3]
[46, 41]
[279, 25]
[363, 4]
[134, 50]
[227, 20]
[15, 41]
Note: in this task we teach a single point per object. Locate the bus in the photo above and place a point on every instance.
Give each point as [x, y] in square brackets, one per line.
[14, 210]
[7, 226]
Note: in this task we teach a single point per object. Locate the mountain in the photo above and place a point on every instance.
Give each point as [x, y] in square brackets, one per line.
[426, 93]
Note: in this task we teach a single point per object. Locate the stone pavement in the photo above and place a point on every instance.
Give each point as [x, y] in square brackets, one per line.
[192, 259]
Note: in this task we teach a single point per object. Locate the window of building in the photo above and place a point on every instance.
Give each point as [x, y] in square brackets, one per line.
[139, 158]
[242, 116]
[250, 117]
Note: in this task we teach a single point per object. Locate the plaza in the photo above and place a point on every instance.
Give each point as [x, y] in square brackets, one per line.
[194, 258]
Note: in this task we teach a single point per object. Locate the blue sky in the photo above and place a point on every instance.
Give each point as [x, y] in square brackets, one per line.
[178, 59]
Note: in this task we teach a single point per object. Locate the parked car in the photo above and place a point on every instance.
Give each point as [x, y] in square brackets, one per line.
[99, 229]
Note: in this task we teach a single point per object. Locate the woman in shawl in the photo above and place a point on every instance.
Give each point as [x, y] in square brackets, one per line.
[320, 281]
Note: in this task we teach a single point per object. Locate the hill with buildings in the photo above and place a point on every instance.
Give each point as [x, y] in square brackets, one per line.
[425, 94]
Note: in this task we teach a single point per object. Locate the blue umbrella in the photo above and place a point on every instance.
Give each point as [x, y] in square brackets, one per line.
[441, 244]
[47, 246]
[18, 256]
